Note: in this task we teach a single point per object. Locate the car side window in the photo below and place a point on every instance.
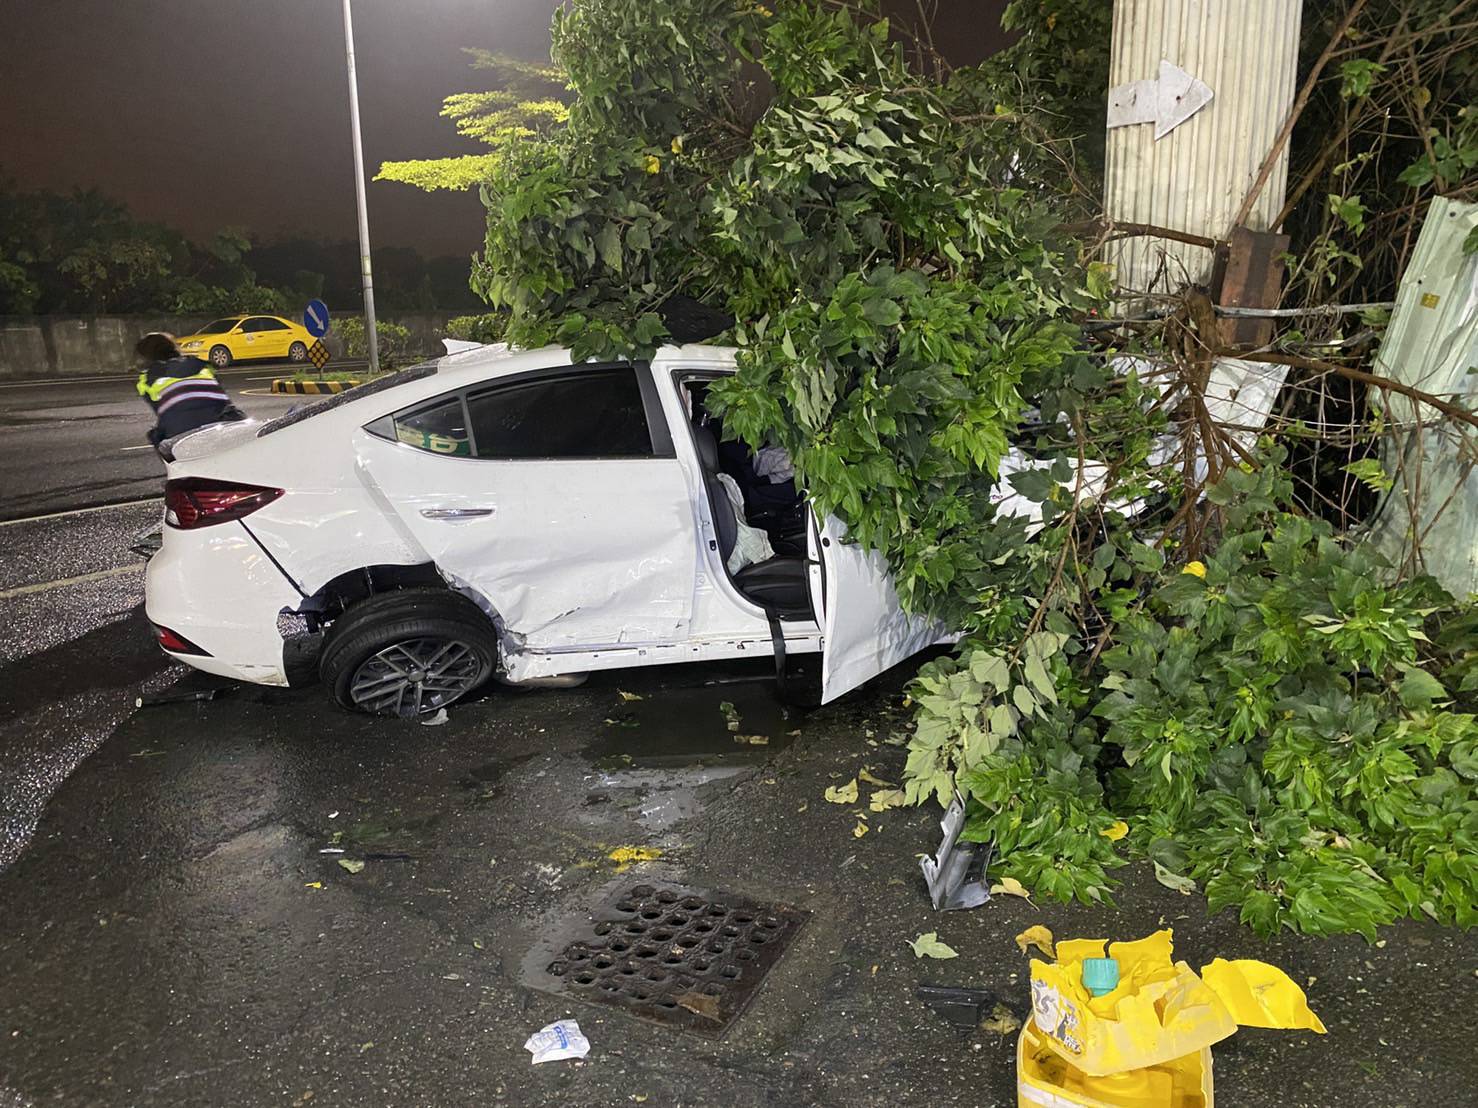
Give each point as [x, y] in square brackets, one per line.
[249, 326]
[266, 324]
[438, 428]
[585, 414]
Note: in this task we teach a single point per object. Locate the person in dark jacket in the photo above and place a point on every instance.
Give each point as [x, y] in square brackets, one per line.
[182, 390]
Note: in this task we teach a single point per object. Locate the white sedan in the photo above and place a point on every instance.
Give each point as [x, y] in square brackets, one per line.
[509, 513]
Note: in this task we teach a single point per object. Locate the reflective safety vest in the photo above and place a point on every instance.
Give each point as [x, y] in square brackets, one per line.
[163, 393]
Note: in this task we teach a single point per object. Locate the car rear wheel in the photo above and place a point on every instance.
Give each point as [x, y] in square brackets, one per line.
[220, 357]
[298, 352]
[408, 653]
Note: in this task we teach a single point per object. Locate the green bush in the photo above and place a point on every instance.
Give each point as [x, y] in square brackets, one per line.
[487, 328]
[394, 341]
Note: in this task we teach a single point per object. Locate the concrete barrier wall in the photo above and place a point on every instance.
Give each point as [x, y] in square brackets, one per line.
[70, 346]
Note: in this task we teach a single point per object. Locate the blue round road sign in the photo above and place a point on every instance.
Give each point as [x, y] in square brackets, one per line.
[315, 318]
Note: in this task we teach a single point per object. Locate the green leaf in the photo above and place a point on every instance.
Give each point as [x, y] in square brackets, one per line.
[1183, 885]
[928, 945]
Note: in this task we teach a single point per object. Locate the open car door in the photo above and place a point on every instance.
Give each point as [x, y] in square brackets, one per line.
[864, 629]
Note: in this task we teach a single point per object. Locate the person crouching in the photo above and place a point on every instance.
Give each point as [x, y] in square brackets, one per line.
[183, 391]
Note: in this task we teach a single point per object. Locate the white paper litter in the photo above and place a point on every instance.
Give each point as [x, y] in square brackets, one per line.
[437, 720]
[558, 1041]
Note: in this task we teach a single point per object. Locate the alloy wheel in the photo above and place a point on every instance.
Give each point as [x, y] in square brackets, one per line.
[415, 676]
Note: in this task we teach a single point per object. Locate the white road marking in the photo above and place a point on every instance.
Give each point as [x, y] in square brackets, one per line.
[146, 446]
[47, 586]
[82, 511]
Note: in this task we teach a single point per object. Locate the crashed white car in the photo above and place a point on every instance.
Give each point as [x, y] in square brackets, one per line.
[509, 513]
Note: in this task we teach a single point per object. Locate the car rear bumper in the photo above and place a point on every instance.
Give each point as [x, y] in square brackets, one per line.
[218, 590]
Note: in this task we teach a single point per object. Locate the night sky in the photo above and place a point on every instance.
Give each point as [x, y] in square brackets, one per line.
[213, 113]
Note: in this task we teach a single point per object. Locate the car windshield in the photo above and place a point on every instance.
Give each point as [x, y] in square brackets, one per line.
[219, 327]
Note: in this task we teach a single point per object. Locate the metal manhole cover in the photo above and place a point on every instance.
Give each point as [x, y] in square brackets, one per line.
[679, 956]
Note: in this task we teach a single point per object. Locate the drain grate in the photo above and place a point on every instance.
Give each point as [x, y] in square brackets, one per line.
[679, 956]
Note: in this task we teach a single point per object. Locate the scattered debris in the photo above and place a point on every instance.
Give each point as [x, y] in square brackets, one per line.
[928, 945]
[1039, 937]
[366, 1046]
[331, 850]
[955, 875]
[627, 856]
[312, 884]
[1009, 886]
[884, 799]
[197, 695]
[353, 865]
[437, 720]
[560, 1040]
[864, 775]
[622, 723]
[842, 794]
[629, 696]
[731, 714]
[860, 830]
[700, 1004]
[960, 1006]
[753, 740]
[1002, 1021]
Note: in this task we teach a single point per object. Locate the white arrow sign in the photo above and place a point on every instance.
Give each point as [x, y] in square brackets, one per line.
[1167, 101]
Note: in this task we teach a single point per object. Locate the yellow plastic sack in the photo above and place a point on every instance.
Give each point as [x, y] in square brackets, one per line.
[1260, 995]
[1159, 1012]
[1045, 1080]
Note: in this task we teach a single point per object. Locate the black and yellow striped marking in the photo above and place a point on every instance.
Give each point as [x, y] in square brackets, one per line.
[310, 388]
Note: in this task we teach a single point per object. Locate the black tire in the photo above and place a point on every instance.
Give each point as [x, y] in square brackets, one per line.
[372, 653]
[298, 352]
[220, 357]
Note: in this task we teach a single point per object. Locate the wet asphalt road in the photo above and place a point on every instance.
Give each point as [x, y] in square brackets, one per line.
[74, 443]
[172, 932]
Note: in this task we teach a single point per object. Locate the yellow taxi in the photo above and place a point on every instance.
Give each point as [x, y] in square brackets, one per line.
[236, 337]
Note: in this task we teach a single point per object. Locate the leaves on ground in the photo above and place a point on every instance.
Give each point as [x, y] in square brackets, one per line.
[928, 945]
[864, 775]
[731, 714]
[842, 794]
[629, 696]
[884, 799]
[1183, 885]
[353, 865]
[1001, 1020]
[1009, 886]
[1037, 936]
[860, 830]
[753, 740]
[700, 1004]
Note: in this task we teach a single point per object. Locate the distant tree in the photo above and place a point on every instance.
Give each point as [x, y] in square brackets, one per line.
[527, 99]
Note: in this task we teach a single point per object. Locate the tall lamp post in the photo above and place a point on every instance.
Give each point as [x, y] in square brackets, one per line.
[371, 337]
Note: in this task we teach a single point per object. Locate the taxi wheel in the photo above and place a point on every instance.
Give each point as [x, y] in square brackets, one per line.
[220, 357]
[408, 653]
[298, 352]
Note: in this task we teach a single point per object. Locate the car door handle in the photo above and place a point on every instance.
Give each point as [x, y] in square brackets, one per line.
[456, 513]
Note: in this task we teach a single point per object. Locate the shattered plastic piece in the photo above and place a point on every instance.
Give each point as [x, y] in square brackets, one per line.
[560, 1040]
[954, 875]
[959, 1006]
[437, 720]
[1260, 995]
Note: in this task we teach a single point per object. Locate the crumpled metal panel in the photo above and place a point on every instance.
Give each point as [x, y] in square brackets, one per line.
[1194, 179]
[865, 629]
[1429, 519]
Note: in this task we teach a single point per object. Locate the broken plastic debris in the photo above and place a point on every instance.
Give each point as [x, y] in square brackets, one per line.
[959, 1006]
[560, 1040]
[437, 720]
[954, 874]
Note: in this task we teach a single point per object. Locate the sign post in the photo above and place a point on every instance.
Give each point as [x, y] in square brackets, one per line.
[316, 323]
[371, 338]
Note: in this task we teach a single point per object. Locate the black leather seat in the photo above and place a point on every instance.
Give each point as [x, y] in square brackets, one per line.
[778, 585]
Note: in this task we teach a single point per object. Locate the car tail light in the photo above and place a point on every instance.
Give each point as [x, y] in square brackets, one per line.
[175, 643]
[191, 502]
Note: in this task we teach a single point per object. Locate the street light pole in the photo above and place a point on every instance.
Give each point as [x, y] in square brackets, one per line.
[371, 337]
